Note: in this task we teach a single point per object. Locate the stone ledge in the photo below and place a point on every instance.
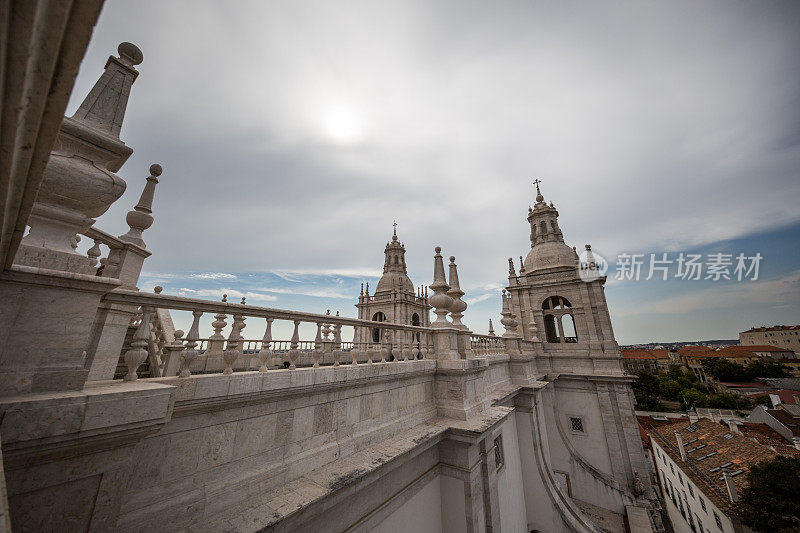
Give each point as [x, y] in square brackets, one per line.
[33, 420]
[317, 487]
[199, 392]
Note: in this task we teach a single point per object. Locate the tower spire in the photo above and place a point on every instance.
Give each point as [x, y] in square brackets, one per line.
[539, 197]
[394, 236]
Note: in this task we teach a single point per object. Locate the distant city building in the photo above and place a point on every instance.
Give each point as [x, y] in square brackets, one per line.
[783, 336]
[700, 468]
[638, 360]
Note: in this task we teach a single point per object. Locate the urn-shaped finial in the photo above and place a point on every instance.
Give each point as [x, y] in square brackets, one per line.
[458, 306]
[440, 301]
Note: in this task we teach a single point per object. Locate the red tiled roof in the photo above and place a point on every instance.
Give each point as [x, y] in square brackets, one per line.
[691, 350]
[709, 437]
[640, 353]
[633, 353]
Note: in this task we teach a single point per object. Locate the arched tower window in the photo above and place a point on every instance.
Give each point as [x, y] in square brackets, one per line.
[415, 322]
[543, 225]
[559, 324]
[376, 332]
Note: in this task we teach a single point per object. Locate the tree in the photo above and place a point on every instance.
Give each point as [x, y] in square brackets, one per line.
[727, 400]
[764, 400]
[670, 389]
[766, 368]
[724, 370]
[692, 397]
[770, 502]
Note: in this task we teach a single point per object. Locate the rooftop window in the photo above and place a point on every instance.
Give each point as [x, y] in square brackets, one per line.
[692, 428]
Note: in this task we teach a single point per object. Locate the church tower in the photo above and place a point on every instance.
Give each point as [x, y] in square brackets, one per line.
[564, 324]
[395, 298]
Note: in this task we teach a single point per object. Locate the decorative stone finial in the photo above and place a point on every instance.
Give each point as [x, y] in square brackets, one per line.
[394, 236]
[491, 328]
[79, 184]
[104, 106]
[508, 320]
[458, 306]
[225, 298]
[243, 299]
[130, 53]
[511, 271]
[141, 217]
[440, 301]
[157, 289]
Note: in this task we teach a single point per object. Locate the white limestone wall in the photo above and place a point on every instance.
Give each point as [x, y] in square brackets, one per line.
[421, 514]
[510, 488]
[454, 506]
[233, 437]
[583, 457]
[539, 509]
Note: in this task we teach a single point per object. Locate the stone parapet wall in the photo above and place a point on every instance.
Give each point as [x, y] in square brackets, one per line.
[235, 436]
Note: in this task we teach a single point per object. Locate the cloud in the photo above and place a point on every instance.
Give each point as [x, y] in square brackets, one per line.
[212, 275]
[654, 126]
[781, 291]
[232, 294]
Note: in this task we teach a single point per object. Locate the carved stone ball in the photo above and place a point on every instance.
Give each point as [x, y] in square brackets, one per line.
[452, 259]
[130, 52]
[438, 249]
[157, 289]
[156, 170]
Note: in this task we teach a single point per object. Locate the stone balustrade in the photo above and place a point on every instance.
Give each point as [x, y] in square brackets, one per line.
[487, 345]
[196, 355]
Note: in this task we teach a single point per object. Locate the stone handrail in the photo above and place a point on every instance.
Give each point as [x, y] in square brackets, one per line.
[326, 348]
[487, 344]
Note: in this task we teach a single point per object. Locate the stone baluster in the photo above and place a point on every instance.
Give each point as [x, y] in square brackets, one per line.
[440, 301]
[326, 327]
[317, 352]
[265, 354]
[217, 341]
[354, 351]
[231, 353]
[371, 352]
[190, 353]
[137, 353]
[293, 351]
[94, 253]
[394, 345]
[111, 266]
[240, 336]
[458, 306]
[407, 347]
[337, 343]
[141, 217]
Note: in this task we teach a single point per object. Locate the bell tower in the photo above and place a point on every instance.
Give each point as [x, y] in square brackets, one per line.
[565, 326]
[395, 298]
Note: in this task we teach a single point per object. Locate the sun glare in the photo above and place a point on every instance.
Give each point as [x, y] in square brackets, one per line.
[342, 125]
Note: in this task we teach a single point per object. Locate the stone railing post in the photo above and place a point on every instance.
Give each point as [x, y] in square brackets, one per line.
[337, 343]
[174, 355]
[137, 353]
[190, 353]
[265, 354]
[231, 353]
[293, 348]
[317, 352]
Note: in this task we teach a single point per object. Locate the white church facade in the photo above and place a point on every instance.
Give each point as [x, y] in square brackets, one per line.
[386, 422]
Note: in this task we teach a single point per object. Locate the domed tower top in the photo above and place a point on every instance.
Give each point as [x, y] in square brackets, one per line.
[394, 267]
[548, 249]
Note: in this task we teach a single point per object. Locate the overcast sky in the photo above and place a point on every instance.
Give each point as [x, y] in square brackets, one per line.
[293, 133]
